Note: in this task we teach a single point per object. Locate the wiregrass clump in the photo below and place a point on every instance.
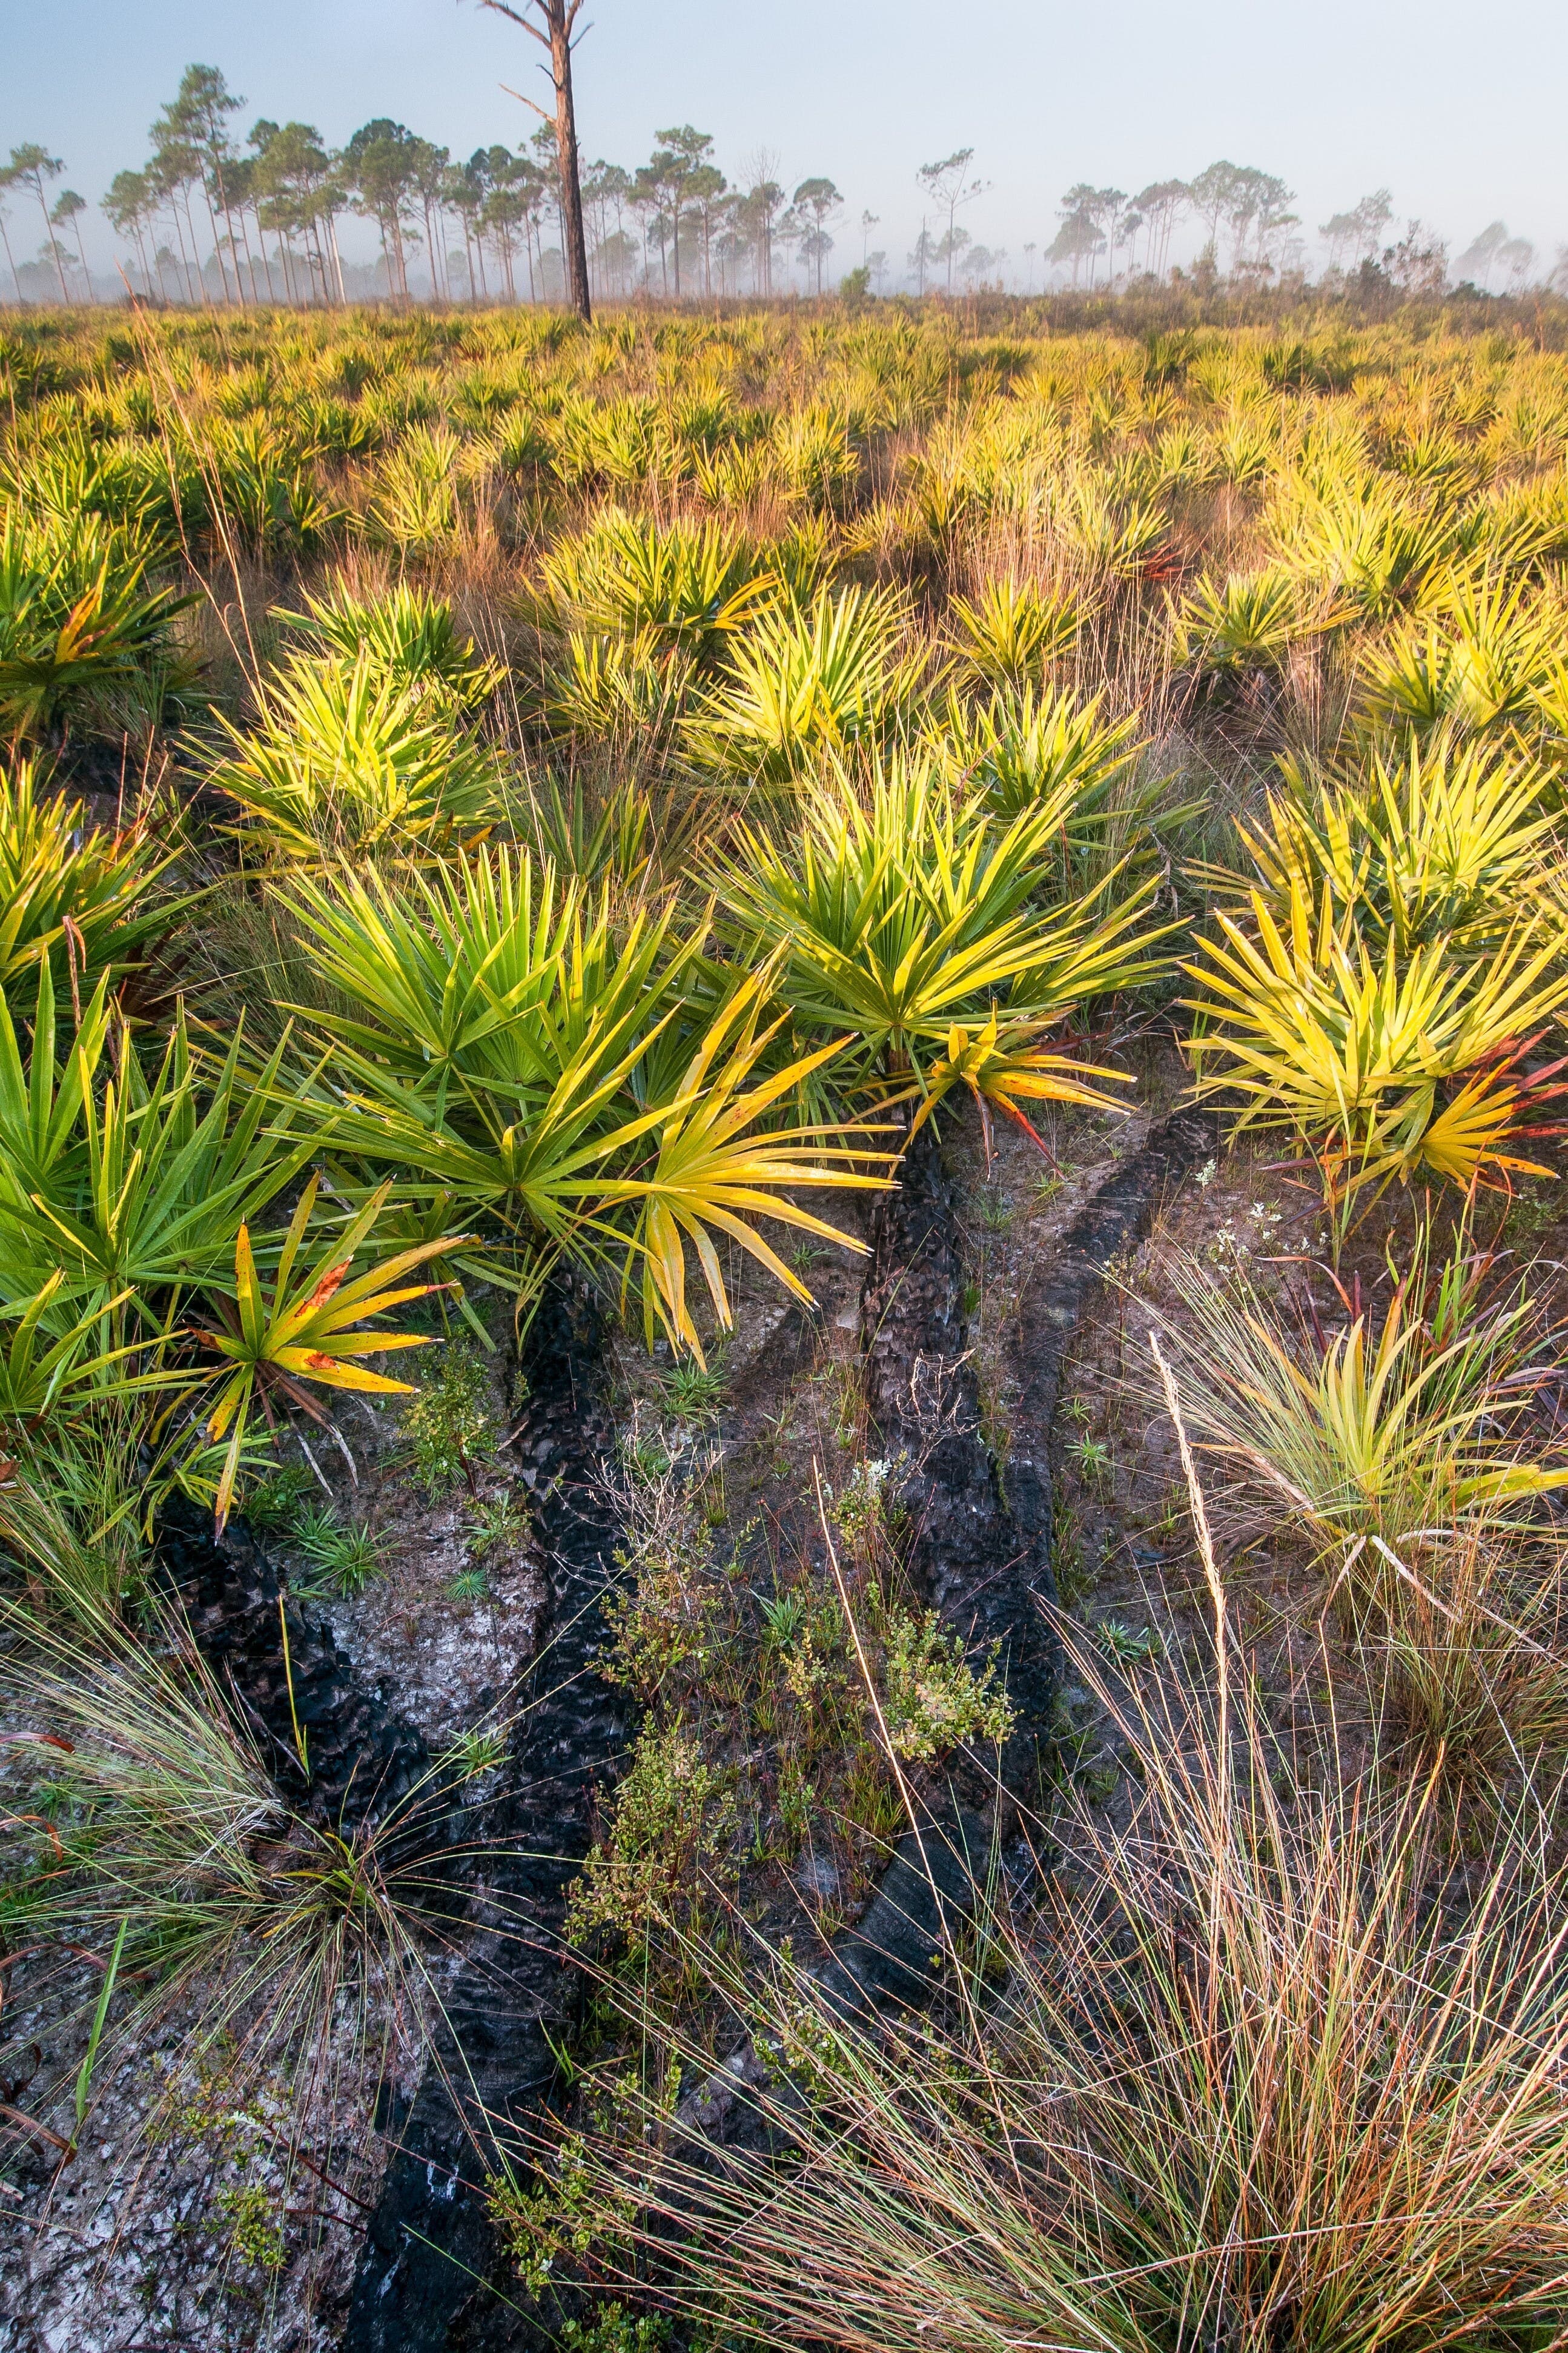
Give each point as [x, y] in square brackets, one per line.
[152, 1823]
[1263, 2071]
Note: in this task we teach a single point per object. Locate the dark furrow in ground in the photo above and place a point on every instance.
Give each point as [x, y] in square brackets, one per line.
[430, 2250]
[429, 2280]
[981, 1551]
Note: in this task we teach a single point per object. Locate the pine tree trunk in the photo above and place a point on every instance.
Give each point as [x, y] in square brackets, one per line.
[572, 237]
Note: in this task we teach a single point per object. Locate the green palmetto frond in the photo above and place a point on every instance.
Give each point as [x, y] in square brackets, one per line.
[1477, 660]
[139, 1186]
[42, 1148]
[805, 680]
[592, 1084]
[345, 760]
[1357, 1051]
[1362, 542]
[480, 981]
[629, 690]
[624, 1152]
[688, 587]
[309, 1330]
[1443, 841]
[49, 1365]
[406, 636]
[76, 897]
[1014, 630]
[1024, 751]
[416, 506]
[896, 914]
[1247, 622]
[82, 627]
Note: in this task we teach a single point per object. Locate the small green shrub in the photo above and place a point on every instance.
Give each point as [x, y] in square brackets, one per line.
[673, 1814]
[255, 2233]
[450, 1426]
[934, 1698]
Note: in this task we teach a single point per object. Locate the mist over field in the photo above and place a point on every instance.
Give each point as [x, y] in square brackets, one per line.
[1083, 142]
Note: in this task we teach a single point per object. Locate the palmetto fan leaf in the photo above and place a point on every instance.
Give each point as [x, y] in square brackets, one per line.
[613, 1172]
[1002, 1067]
[135, 1186]
[894, 915]
[406, 636]
[84, 633]
[1027, 751]
[309, 1330]
[347, 759]
[1443, 841]
[593, 1086]
[81, 898]
[1476, 659]
[54, 1362]
[688, 587]
[804, 680]
[1011, 633]
[1356, 1050]
[482, 980]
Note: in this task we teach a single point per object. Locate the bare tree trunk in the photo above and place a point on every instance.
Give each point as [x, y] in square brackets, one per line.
[11, 262]
[430, 252]
[561, 14]
[191, 295]
[81, 249]
[49, 233]
[555, 35]
[337, 258]
[217, 248]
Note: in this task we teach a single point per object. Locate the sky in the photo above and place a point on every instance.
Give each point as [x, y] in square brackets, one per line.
[1457, 109]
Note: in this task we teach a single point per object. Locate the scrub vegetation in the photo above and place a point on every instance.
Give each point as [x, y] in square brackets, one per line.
[487, 799]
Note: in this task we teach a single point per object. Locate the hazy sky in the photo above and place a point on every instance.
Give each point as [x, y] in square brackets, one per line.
[1458, 109]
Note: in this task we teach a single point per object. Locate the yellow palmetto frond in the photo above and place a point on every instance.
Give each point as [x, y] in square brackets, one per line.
[716, 1172]
[308, 1331]
[1355, 1053]
[1003, 1068]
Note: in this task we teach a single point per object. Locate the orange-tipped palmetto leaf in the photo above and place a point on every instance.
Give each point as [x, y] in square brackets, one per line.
[308, 1333]
[1002, 1069]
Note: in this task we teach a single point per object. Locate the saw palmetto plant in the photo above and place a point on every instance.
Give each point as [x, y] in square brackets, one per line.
[85, 899]
[1474, 661]
[686, 588]
[1404, 1443]
[346, 759]
[416, 506]
[1441, 842]
[306, 1330]
[1227, 629]
[407, 637]
[1385, 1062]
[628, 694]
[602, 1093]
[86, 634]
[1014, 630]
[1025, 753]
[805, 680]
[907, 917]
